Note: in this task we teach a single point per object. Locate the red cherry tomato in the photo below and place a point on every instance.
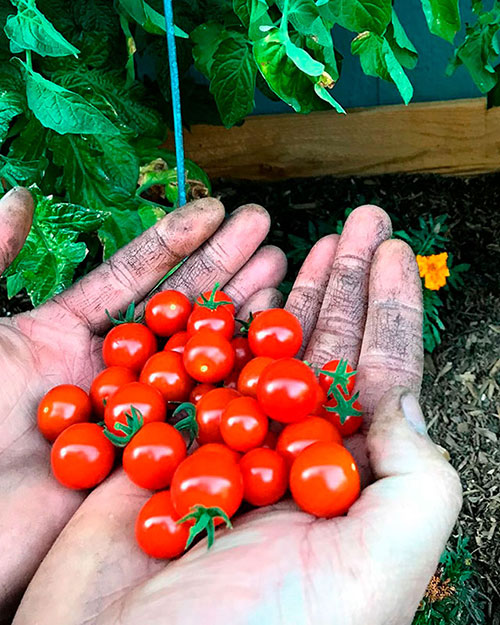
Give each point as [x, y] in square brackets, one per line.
[242, 352]
[208, 356]
[326, 381]
[106, 383]
[166, 372]
[265, 476]
[209, 412]
[214, 483]
[287, 390]
[321, 400]
[297, 436]
[270, 440]
[81, 456]
[250, 375]
[153, 454]
[275, 333]
[219, 320]
[219, 448]
[243, 424]
[128, 345]
[200, 391]
[351, 424]
[146, 399]
[61, 407]
[167, 312]
[156, 528]
[177, 342]
[324, 480]
[219, 296]
[232, 380]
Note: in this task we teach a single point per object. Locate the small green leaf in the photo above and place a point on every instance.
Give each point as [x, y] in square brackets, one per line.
[324, 94]
[120, 227]
[303, 60]
[141, 12]
[443, 17]
[361, 15]
[12, 99]
[206, 39]
[402, 47]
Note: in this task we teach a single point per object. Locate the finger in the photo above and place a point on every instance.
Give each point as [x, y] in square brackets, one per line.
[262, 300]
[224, 254]
[408, 514]
[266, 269]
[341, 320]
[306, 296]
[135, 269]
[392, 350]
[94, 561]
[16, 215]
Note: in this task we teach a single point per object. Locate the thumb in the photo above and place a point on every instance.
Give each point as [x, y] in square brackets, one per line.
[409, 511]
[16, 215]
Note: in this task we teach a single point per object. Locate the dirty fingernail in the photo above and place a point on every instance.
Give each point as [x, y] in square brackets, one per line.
[413, 413]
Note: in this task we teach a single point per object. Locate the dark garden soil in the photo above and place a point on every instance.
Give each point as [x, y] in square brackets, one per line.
[461, 392]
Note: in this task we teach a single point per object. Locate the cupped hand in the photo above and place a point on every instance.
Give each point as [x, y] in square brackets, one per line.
[60, 342]
[358, 297]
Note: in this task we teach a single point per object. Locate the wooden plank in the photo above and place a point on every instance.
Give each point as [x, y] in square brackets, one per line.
[456, 137]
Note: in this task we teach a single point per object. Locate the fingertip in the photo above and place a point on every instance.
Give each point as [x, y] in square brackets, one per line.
[395, 273]
[275, 258]
[254, 213]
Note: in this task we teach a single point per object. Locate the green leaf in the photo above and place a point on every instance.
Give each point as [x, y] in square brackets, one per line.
[18, 172]
[443, 17]
[29, 29]
[377, 59]
[141, 12]
[232, 78]
[119, 228]
[360, 15]
[30, 146]
[242, 8]
[324, 94]
[402, 47]
[303, 60]
[149, 215]
[206, 39]
[62, 110]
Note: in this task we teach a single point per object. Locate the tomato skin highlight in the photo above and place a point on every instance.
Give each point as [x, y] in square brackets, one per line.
[250, 375]
[147, 399]
[106, 384]
[220, 296]
[219, 320]
[208, 357]
[287, 390]
[167, 312]
[153, 454]
[165, 371]
[217, 483]
[265, 476]
[242, 352]
[297, 436]
[275, 333]
[209, 412]
[128, 345]
[81, 456]
[156, 529]
[199, 391]
[324, 480]
[351, 424]
[177, 342]
[243, 424]
[326, 381]
[62, 406]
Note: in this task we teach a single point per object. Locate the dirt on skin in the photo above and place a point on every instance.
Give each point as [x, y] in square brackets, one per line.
[461, 391]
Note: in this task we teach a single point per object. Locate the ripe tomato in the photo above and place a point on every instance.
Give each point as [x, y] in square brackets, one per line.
[219, 448]
[265, 476]
[167, 312]
[177, 342]
[271, 440]
[219, 320]
[324, 480]
[199, 391]
[106, 383]
[209, 480]
[242, 352]
[208, 356]
[166, 372]
[287, 390]
[351, 424]
[232, 380]
[326, 380]
[321, 400]
[297, 436]
[146, 399]
[128, 345]
[61, 407]
[156, 528]
[276, 333]
[209, 412]
[250, 375]
[243, 424]
[81, 456]
[153, 454]
[213, 297]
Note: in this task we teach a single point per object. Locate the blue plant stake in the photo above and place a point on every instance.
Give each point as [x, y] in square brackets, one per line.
[176, 102]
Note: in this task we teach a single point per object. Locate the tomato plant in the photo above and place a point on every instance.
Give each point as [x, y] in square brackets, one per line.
[106, 383]
[265, 476]
[81, 456]
[167, 312]
[128, 345]
[243, 424]
[324, 480]
[208, 356]
[166, 372]
[295, 437]
[250, 375]
[61, 407]
[275, 333]
[147, 400]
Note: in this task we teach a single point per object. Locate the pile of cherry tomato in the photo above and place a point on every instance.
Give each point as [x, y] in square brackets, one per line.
[262, 422]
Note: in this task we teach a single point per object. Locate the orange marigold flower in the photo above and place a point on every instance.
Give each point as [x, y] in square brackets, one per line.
[434, 270]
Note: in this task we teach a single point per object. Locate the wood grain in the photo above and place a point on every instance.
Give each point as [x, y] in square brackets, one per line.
[455, 137]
